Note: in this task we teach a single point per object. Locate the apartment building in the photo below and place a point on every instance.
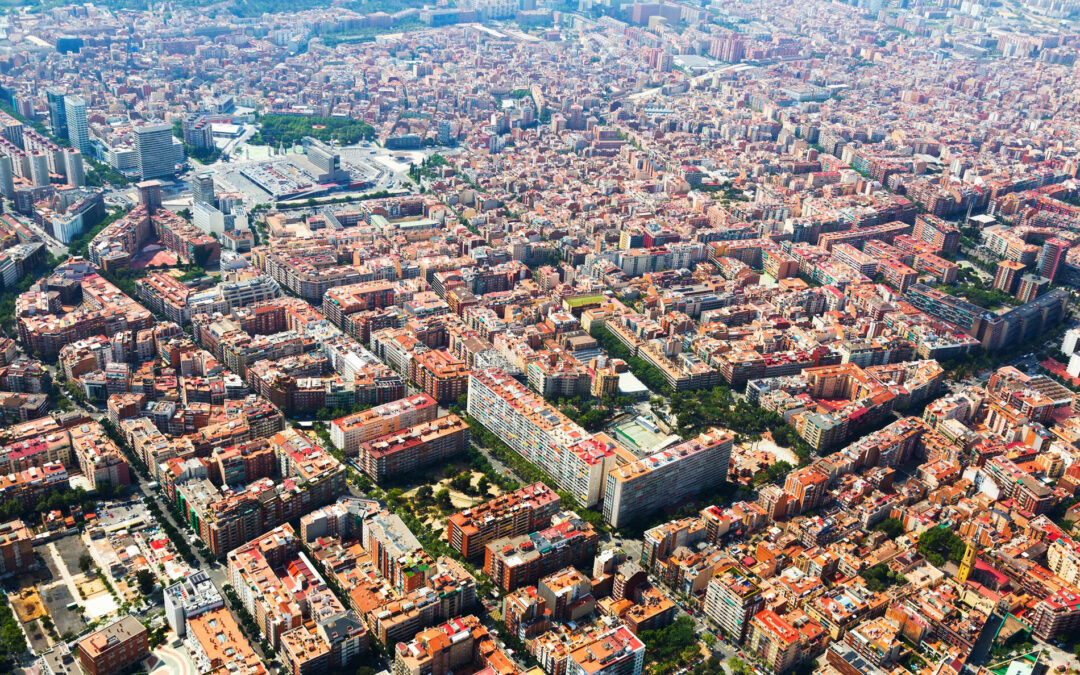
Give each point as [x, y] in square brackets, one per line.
[342, 301]
[328, 646]
[31, 485]
[440, 375]
[512, 562]
[940, 235]
[341, 520]
[16, 548]
[396, 552]
[993, 331]
[414, 448]
[347, 433]
[642, 487]
[733, 597]
[114, 648]
[461, 643]
[217, 644]
[1057, 615]
[310, 478]
[618, 652]
[513, 514]
[278, 586]
[773, 640]
[537, 431]
[100, 460]
[46, 326]
[189, 598]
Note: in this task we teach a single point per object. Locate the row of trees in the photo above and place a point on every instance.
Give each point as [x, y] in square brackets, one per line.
[649, 374]
[99, 174]
[12, 640]
[247, 622]
[79, 245]
[987, 298]
[179, 541]
[12, 509]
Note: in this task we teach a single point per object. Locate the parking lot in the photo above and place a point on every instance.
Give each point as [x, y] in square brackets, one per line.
[71, 548]
[57, 598]
[122, 514]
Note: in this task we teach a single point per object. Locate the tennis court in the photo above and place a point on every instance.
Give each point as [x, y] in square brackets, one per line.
[638, 435]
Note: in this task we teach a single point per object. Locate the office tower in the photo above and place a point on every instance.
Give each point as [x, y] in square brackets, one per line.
[7, 179]
[322, 156]
[39, 169]
[202, 188]
[73, 165]
[57, 113]
[154, 152]
[78, 129]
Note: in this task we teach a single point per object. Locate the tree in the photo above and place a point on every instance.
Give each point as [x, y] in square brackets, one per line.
[442, 499]
[939, 544]
[671, 644]
[424, 494]
[462, 482]
[880, 577]
[483, 485]
[86, 563]
[892, 527]
[738, 666]
[146, 581]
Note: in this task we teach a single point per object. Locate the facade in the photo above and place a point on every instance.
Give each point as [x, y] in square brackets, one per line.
[16, 548]
[189, 598]
[513, 562]
[639, 489]
[347, 433]
[414, 448]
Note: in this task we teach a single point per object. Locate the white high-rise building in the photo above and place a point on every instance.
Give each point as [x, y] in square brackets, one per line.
[1072, 339]
[154, 151]
[7, 177]
[39, 169]
[73, 164]
[78, 129]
